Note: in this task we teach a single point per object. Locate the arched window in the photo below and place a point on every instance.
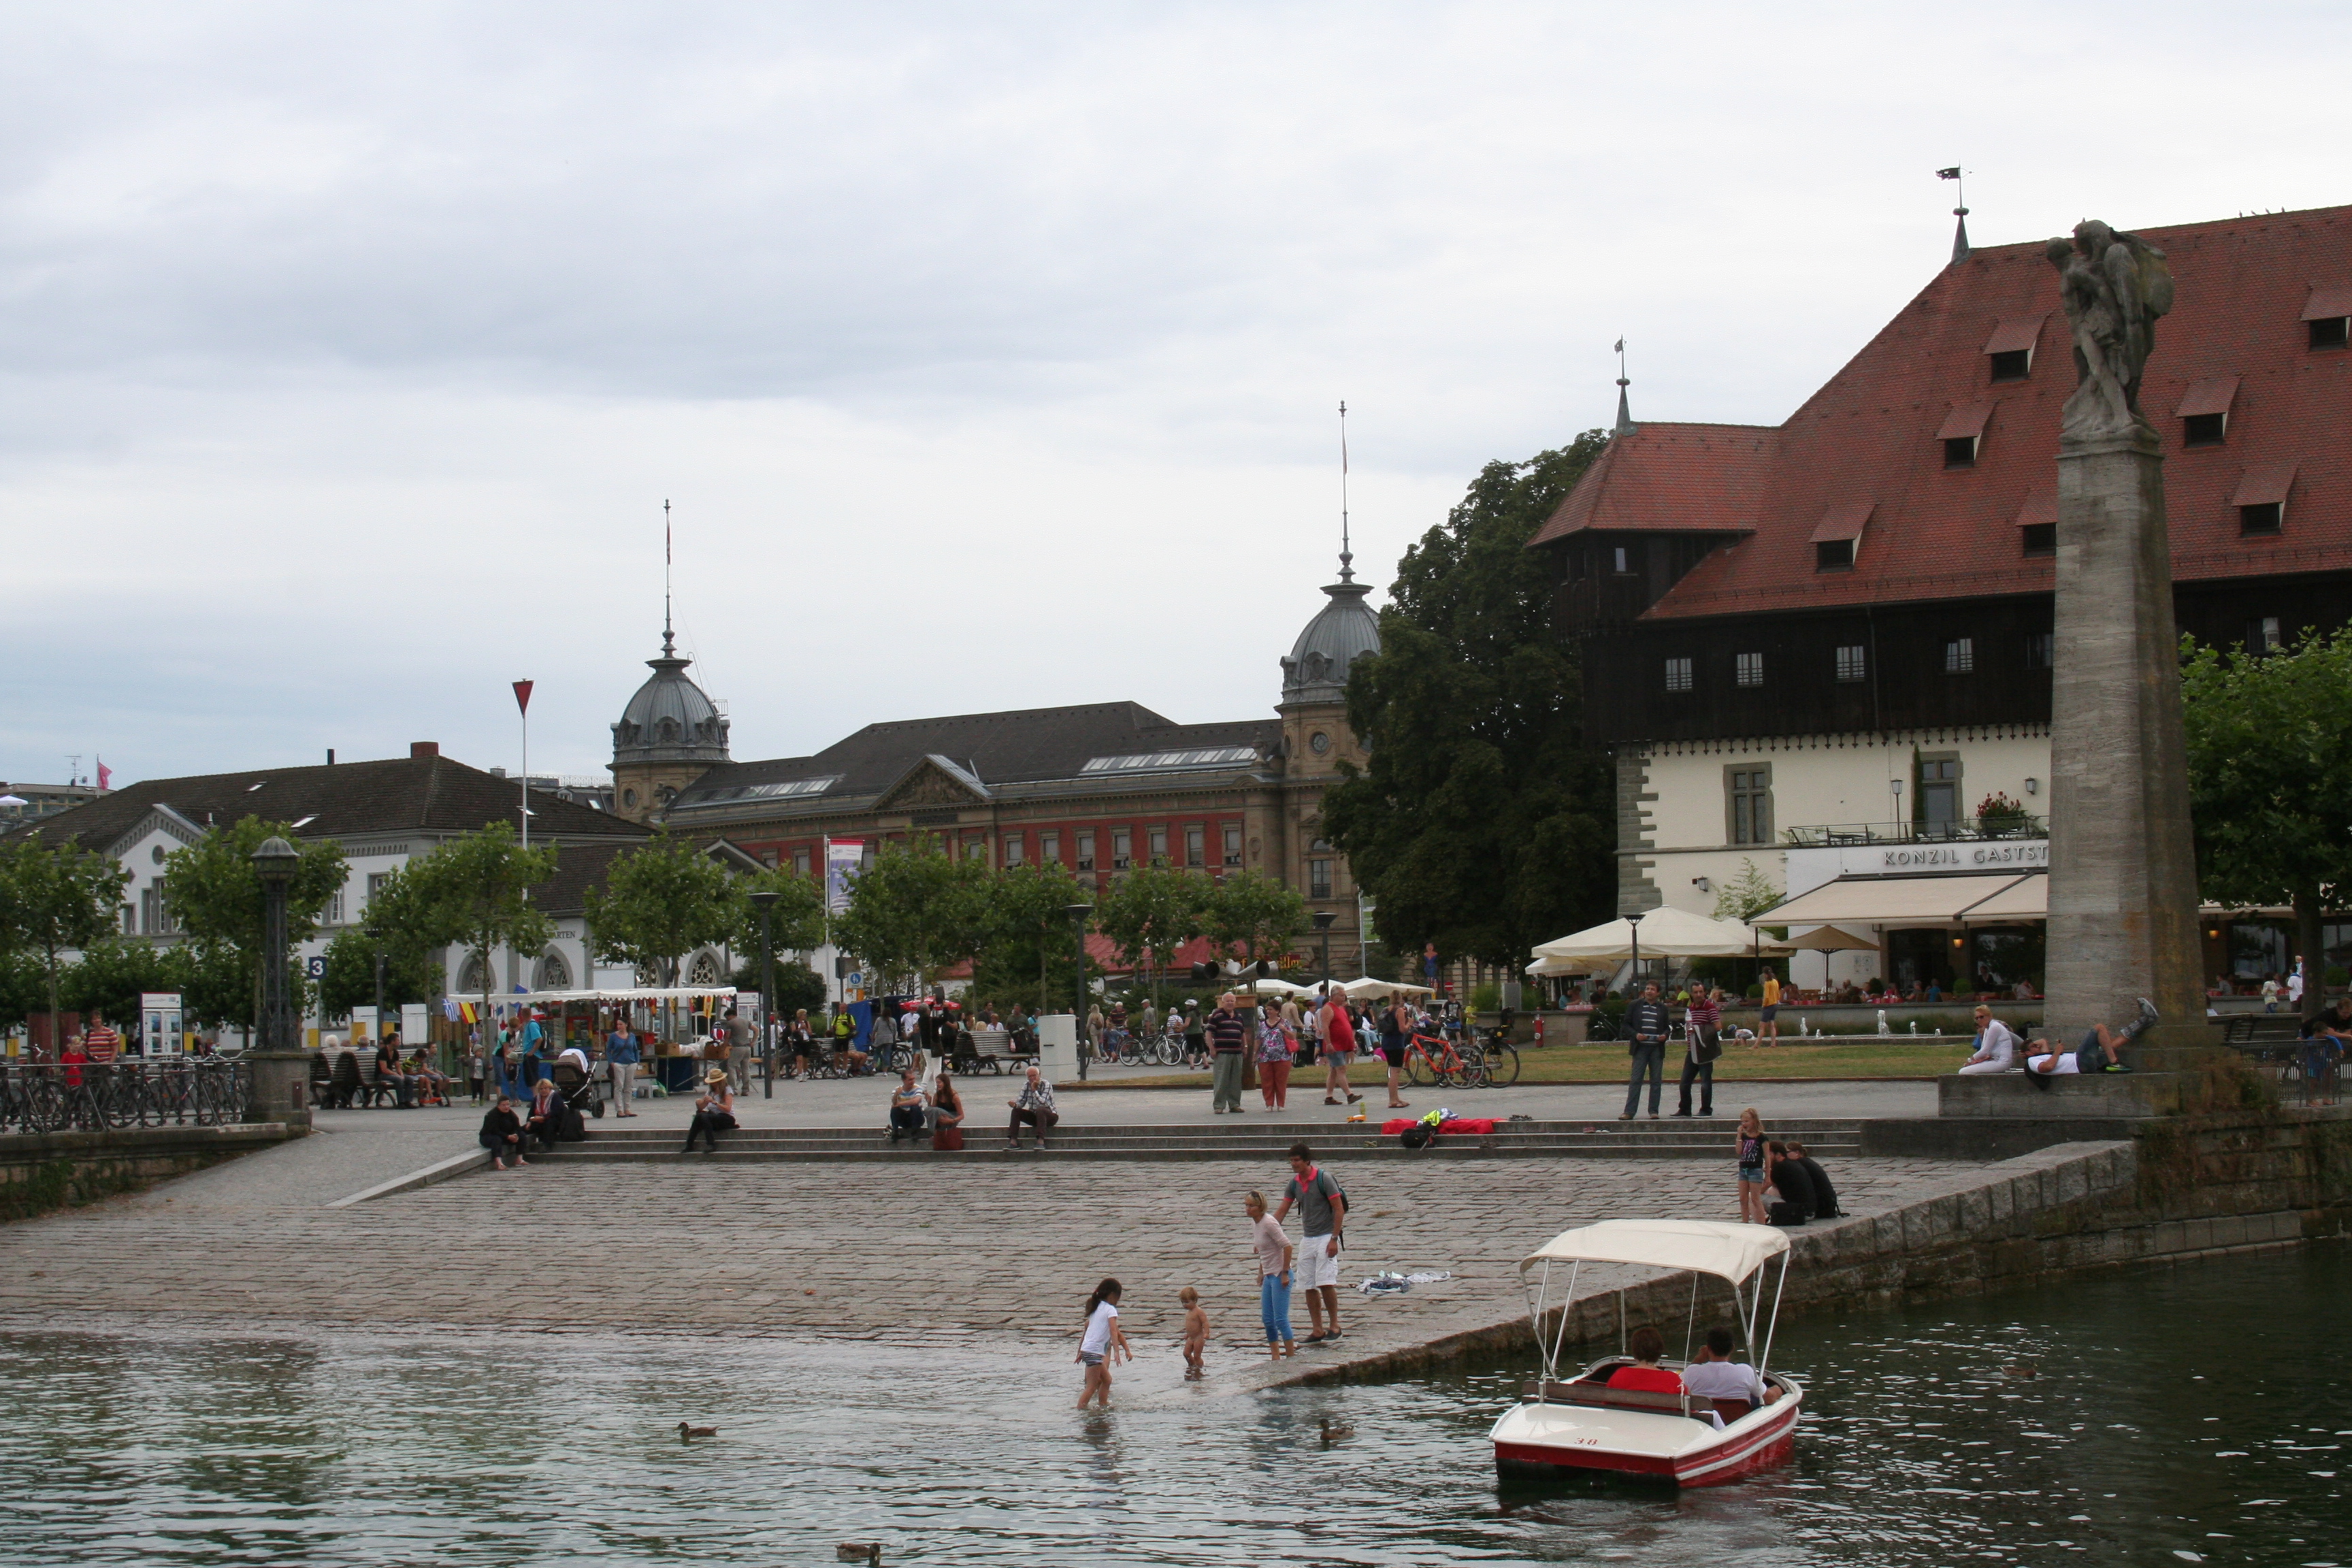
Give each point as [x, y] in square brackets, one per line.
[469, 977]
[704, 970]
[553, 974]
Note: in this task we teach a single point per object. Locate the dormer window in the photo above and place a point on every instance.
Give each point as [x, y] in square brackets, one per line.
[2327, 316]
[2261, 498]
[2263, 517]
[2039, 538]
[1837, 538]
[1833, 555]
[1962, 433]
[2037, 522]
[2204, 411]
[2008, 352]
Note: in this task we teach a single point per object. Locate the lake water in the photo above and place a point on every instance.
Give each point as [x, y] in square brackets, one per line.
[2175, 1415]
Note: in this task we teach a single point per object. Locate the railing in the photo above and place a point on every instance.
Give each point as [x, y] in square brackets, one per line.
[90, 1097]
[1971, 830]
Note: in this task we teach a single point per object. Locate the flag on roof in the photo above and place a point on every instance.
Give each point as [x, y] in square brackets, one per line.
[1951, 174]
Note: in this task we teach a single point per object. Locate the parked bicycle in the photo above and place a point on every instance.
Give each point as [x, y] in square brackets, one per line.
[1435, 1061]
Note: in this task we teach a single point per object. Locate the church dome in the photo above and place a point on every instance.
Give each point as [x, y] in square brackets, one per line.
[670, 719]
[1316, 669]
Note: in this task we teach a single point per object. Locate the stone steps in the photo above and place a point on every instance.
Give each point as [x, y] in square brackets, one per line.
[1270, 1141]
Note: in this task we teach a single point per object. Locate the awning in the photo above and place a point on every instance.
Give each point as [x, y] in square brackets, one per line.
[2264, 484]
[2325, 304]
[1966, 422]
[2211, 396]
[1947, 899]
[1842, 522]
[2040, 506]
[2015, 333]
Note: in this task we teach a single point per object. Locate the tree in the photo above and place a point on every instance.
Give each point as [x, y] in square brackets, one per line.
[1483, 823]
[1749, 893]
[916, 911]
[215, 893]
[660, 902]
[796, 923]
[1255, 917]
[474, 892]
[22, 988]
[2268, 790]
[797, 985]
[409, 972]
[114, 973]
[54, 900]
[1151, 912]
[1029, 930]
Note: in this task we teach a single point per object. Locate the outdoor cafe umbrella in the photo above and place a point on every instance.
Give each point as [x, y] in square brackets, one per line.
[1665, 932]
[1829, 939]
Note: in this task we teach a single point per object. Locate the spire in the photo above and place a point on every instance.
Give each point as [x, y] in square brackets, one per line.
[669, 642]
[1624, 409]
[1347, 555]
[1960, 213]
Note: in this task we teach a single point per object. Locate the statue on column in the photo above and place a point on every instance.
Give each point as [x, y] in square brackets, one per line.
[2114, 286]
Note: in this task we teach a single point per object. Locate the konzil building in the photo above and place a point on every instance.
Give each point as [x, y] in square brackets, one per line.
[1824, 646]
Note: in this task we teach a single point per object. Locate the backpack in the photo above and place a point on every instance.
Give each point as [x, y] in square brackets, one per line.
[1417, 1136]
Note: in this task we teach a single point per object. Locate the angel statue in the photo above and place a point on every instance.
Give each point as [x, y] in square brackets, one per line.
[2114, 287]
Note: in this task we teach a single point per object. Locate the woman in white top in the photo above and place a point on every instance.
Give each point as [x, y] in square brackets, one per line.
[1101, 1345]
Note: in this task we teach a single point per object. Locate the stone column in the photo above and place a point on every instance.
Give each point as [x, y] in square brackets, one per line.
[2123, 871]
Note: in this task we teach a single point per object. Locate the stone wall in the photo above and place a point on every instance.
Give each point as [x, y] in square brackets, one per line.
[61, 1170]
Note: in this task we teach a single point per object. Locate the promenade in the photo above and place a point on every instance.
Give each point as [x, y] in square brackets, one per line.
[910, 1254]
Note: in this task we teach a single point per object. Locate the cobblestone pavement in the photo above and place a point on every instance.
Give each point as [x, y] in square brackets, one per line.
[868, 1253]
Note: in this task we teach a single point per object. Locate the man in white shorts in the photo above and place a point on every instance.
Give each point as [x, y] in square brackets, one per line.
[1323, 1215]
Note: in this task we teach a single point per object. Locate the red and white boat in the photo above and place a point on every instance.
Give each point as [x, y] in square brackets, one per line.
[1692, 1441]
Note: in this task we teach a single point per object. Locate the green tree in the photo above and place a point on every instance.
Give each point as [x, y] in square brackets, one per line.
[660, 902]
[1749, 893]
[22, 989]
[55, 900]
[2268, 790]
[1151, 912]
[474, 893]
[410, 973]
[1253, 918]
[1030, 931]
[215, 893]
[796, 923]
[114, 973]
[916, 911]
[797, 985]
[1483, 823]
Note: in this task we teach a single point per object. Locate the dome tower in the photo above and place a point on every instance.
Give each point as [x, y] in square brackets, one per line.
[668, 736]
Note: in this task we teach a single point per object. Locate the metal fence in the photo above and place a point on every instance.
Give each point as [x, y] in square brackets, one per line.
[90, 1097]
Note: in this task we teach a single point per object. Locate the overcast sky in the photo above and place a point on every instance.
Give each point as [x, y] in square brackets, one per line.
[990, 356]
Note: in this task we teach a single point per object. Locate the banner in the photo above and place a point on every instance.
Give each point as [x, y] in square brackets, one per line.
[842, 857]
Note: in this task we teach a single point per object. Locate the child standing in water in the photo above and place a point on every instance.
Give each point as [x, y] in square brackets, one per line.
[1102, 1343]
[1749, 1141]
[1196, 1332]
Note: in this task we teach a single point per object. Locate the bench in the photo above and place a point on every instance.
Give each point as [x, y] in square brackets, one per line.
[2260, 1029]
[1599, 1395]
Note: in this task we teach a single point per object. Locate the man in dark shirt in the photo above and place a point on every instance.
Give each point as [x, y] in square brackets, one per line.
[1790, 1179]
[1646, 1026]
[1825, 1201]
[1226, 1038]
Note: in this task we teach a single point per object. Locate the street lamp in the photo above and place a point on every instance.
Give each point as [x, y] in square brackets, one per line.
[281, 1071]
[764, 901]
[1079, 913]
[1323, 920]
[1634, 924]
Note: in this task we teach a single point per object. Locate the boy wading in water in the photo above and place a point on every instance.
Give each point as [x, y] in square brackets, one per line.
[1101, 1343]
[1196, 1332]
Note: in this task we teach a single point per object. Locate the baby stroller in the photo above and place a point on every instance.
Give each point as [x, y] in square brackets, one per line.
[583, 1096]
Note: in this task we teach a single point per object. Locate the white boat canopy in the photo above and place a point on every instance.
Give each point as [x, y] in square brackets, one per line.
[1730, 1252]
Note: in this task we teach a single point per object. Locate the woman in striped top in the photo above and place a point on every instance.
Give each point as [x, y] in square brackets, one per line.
[1703, 1025]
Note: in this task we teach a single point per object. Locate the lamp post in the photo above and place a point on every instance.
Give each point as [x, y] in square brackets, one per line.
[1079, 913]
[1323, 920]
[1634, 924]
[765, 902]
[281, 1071]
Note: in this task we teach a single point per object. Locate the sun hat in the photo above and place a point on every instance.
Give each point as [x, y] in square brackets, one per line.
[714, 1076]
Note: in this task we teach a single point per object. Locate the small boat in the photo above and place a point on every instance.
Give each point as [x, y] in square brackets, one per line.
[1690, 1440]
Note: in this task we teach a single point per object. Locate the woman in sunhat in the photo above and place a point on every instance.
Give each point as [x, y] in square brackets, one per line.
[714, 1111]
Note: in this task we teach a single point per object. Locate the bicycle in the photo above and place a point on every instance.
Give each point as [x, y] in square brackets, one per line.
[1433, 1061]
[1502, 1061]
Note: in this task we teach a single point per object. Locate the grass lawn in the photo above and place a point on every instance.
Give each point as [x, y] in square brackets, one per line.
[1606, 1063]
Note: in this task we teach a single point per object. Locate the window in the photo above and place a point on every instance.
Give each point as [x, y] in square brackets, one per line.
[1318, 879]
[1086, 850]
[2039, 538]
[2011, 364]
[1748, 668]
[975, 849]
[1623, 569]
[1678, 674]
[1939, 793]
[1013, 846]
[1853, 664]
[1122, 849]
[131, 919]
[332, 915]
[155, 915]
[2204, 430]
[2265, 518]
[1748, 792]
[1960, 656]
[1578, 566]
[1159, 841]
[1833, 555]
[1960, 451]
[1232, 844]
[1049, 848]
[2262, 634]
[800, 862]
[2331, 331]
[2040, 650]
[1196, 847]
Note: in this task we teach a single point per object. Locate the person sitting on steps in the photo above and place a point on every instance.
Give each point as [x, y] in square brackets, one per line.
[2097, 1053]
[714, 1112]
[908, 1104]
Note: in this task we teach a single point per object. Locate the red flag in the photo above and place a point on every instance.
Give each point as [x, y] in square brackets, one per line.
[522, 694]
[105, 775]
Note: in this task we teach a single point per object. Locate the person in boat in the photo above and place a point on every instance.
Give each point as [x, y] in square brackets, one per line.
[1714, 1375]
[1648, 1348]
[1825, 1199]
[1790, 1179]
[2097, 1053]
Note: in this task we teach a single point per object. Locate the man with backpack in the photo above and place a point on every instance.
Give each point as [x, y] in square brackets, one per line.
[1323, 1216]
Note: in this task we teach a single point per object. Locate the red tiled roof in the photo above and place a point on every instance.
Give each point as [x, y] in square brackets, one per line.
[2244, 287]
[1671, 479]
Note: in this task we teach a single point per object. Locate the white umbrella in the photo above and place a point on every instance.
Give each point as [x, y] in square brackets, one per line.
[1665, 932]
[14, 800]
[1382, 989]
